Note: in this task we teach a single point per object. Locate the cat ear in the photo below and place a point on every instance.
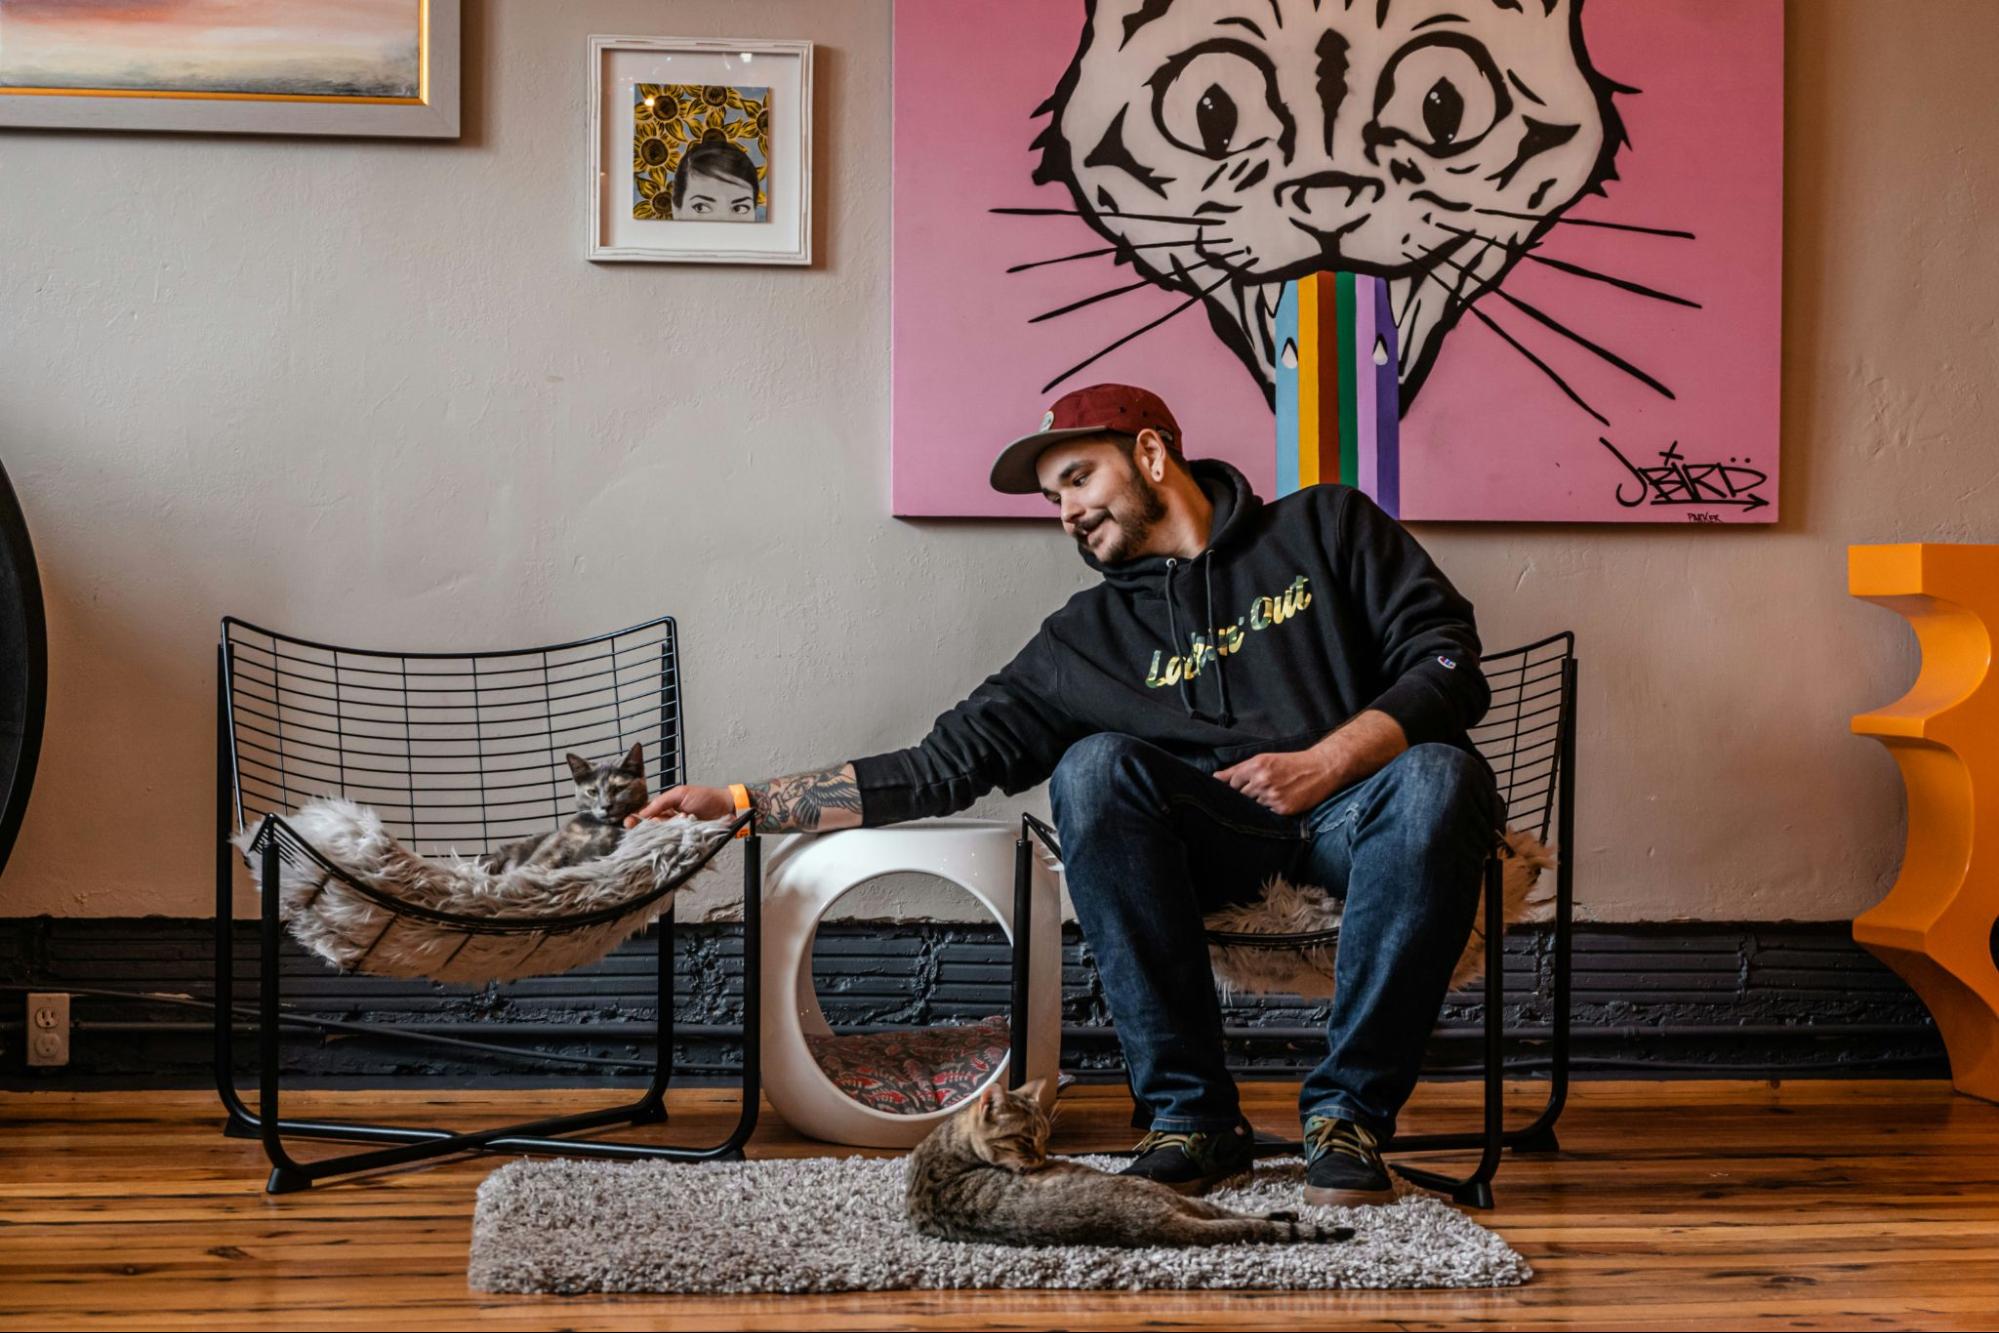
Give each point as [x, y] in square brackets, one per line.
[1043, 1092]
[579, 767]
[635, 761]
[992, 1099]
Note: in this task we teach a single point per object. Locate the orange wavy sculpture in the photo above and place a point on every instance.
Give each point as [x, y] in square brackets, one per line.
[1939, 925]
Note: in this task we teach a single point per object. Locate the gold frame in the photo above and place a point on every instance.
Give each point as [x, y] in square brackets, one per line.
[437, 33]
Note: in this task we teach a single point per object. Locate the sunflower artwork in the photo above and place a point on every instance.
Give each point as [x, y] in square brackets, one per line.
[700, 153]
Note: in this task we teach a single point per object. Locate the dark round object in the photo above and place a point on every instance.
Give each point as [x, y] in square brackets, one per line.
[24, 664]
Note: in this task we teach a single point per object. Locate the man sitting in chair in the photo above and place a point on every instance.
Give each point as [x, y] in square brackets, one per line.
[1253, 690]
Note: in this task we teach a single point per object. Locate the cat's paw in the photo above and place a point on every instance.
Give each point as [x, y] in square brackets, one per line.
[1285, 1216]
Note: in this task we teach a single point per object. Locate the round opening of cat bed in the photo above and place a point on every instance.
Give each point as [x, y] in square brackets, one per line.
[911, 1012]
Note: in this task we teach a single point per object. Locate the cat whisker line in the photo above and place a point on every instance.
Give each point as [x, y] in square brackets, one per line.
[1107, 250]
[1636, 288]
[1128, 217]
[1548, 321]
[1519, 347]
[1467, 272]
[1625, 284]
[1120, 291]
[1670, 232]
[1185, 305]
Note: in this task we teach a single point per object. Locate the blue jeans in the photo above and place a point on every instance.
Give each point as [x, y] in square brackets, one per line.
[1152, 842]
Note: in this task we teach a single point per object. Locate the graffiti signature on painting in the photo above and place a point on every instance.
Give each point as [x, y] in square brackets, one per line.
[1678, 482]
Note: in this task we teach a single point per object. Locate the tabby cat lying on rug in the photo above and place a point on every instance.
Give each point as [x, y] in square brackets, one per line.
[605, 794]
[984, 1175]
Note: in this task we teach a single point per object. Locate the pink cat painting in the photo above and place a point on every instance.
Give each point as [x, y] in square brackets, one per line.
[1574, 208]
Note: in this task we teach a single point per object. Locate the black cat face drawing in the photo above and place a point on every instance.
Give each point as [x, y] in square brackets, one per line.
[1229, 146]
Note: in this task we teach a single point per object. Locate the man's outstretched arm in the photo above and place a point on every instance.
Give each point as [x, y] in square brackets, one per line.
[801, 803]
[1008, 733]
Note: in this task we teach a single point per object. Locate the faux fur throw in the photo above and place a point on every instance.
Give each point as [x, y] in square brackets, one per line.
[1290, 909]
[357, 935]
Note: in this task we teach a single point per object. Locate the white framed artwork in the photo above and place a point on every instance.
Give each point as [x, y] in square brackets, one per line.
[700, 150]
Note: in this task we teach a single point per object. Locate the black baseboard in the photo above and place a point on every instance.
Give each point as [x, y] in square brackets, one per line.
[1664, 1000]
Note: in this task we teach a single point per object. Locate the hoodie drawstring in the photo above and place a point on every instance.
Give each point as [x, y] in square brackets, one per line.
[1173, 636]
[1227, 718]
[1221, 672]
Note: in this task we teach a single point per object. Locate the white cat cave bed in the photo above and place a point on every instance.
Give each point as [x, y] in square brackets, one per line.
[889, 1090]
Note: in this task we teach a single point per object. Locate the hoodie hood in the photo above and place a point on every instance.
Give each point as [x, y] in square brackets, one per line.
[1235, 505]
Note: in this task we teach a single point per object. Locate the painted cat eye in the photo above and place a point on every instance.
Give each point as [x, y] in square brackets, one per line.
[1441, 94]
[1216, 100]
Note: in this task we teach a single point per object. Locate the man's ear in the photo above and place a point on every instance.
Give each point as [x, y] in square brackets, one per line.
[1149, 453]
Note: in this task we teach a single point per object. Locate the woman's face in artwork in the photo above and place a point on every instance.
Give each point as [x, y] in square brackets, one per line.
[718, 199]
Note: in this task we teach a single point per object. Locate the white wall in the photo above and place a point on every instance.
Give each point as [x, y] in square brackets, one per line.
[371, 390]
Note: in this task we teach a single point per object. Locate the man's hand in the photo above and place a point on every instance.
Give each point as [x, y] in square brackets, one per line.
[803, 802]
[700, 802]
[1294, 781]
[1289, 782]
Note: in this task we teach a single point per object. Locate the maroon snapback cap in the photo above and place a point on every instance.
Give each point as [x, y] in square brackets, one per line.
[1091, 411]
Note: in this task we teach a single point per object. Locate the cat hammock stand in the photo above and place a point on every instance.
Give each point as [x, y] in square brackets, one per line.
[459, 751]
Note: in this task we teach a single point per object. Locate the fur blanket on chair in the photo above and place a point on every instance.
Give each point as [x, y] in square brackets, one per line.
[1291, 909]
[356, 934]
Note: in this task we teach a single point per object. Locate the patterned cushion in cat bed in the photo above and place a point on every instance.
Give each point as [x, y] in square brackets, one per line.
[913, 1071]
[1307, 970]
[362, 901]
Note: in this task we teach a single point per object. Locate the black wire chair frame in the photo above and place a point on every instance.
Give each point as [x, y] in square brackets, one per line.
[1528, 735]
[297, 718]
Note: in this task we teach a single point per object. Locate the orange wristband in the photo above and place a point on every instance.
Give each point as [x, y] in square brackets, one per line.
[741, 796]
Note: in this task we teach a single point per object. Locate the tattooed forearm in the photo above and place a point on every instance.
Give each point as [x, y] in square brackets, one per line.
[807, 802]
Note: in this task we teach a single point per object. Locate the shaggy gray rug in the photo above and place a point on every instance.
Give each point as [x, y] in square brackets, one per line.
[835, 1224]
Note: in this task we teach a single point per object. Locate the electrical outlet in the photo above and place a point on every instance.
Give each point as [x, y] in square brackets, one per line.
[48, 1028]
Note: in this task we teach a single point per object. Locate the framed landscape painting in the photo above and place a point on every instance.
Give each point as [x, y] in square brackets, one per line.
[355, 67]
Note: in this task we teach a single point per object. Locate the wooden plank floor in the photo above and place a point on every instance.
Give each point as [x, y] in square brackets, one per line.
[1811, 1204]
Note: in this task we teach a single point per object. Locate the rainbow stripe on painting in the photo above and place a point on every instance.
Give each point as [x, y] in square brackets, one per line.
[1338, 401]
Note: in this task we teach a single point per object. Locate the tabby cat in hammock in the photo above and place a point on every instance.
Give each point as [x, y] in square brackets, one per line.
[605, 794]
[984, 1175]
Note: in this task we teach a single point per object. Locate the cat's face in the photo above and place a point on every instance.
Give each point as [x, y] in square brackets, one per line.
[1010, 1129]
[611, 790]
[1390, 137]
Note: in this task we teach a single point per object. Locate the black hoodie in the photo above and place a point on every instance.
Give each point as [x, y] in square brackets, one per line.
[1325, 607]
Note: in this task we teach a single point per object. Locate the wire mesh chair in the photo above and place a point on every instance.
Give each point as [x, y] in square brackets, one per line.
[458, 751]
[1528, 736]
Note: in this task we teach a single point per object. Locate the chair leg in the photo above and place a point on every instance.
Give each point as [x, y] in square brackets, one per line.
[1475, 1190]
[651, 1108]
[238, 1122]
[537, 1136]
[1021, 961]
[1540, 1135]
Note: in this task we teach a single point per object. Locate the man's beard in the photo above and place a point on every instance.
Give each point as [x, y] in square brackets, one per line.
[1136, 510]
